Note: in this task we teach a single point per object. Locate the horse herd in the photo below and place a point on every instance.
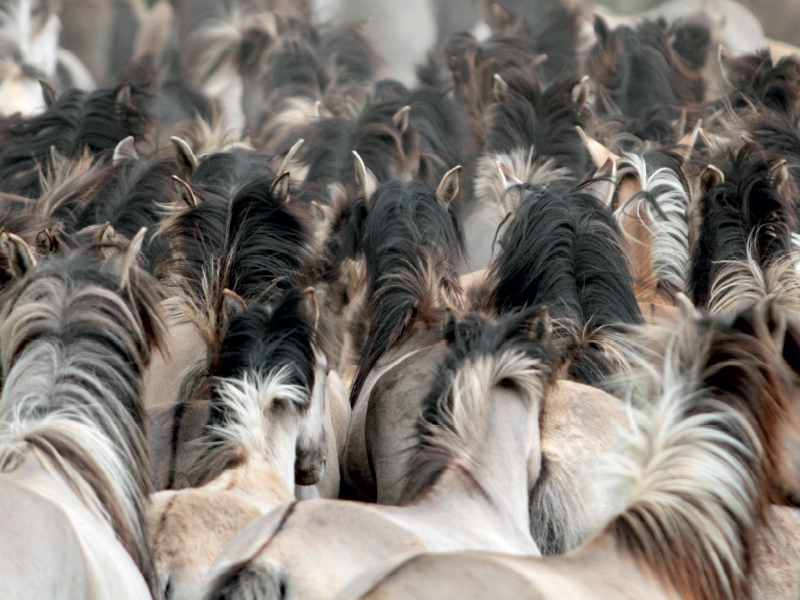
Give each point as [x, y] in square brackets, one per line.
[528, 330]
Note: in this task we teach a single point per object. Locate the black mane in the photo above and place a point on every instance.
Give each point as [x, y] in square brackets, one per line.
[79, 121]
[405, 230]
[565, 250]
[744, 206]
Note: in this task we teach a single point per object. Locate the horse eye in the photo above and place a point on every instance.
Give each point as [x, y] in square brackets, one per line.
[464, 335]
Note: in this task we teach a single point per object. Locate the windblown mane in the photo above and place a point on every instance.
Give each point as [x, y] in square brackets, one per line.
[565, 250]
[745, 206]
[74, 350]
[266, 354]
[662, 205]
[481, 355]
[412, 246]
[715, 396]
[639, 74]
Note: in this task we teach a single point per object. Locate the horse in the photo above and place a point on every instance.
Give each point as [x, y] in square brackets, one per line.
[482, 411]
[699, 472]
[77, 333]
[266, 429]
[75, 123]
[742, 203]
[411, 243]
[546, 149]
[564, 249]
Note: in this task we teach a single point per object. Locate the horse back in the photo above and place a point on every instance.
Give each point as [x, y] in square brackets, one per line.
[43, 522]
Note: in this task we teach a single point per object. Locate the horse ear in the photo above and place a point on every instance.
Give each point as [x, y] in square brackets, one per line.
[48, 92]
[125, 150]
[538, 326]
[290, 155]
[779, 176]
[507, 175]
[601, 30]
[686, 144]
[187, 161]
[686, 308]
[580, 93]
[280, 188]
[400, 119]
[365, 179]
[448, 187]
[185, 191]
[130, 257]
[107, 234]
[46, 241]
[232, 304]
[774, 318]
[122, 95]
[499, 88]
[600, 154]
[710, 177]
[311, 306]
[20, 255]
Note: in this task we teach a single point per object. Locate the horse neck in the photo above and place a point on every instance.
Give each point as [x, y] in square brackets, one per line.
[258, 478]
[492, 485]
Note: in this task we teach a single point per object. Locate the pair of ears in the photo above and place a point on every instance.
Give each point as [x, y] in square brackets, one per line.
[367, 183]
[233, 304]
[777, 177]
[187, 161]
[22, 259]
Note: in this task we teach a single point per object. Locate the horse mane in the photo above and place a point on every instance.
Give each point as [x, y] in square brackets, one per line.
[253, 244]
[637, 70]
[756, 78]
[349, 57]
[267, 354]
[565, 250]
[217, 38]
[746, 205]
[213, 136]
[78, 121]
[714, 396]
[662, 203]
[134, 197]
[327, 144]
[412, 246]
[75, 347]
[742, 282]
[545, 122]
[481, 355]
[225, 173]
